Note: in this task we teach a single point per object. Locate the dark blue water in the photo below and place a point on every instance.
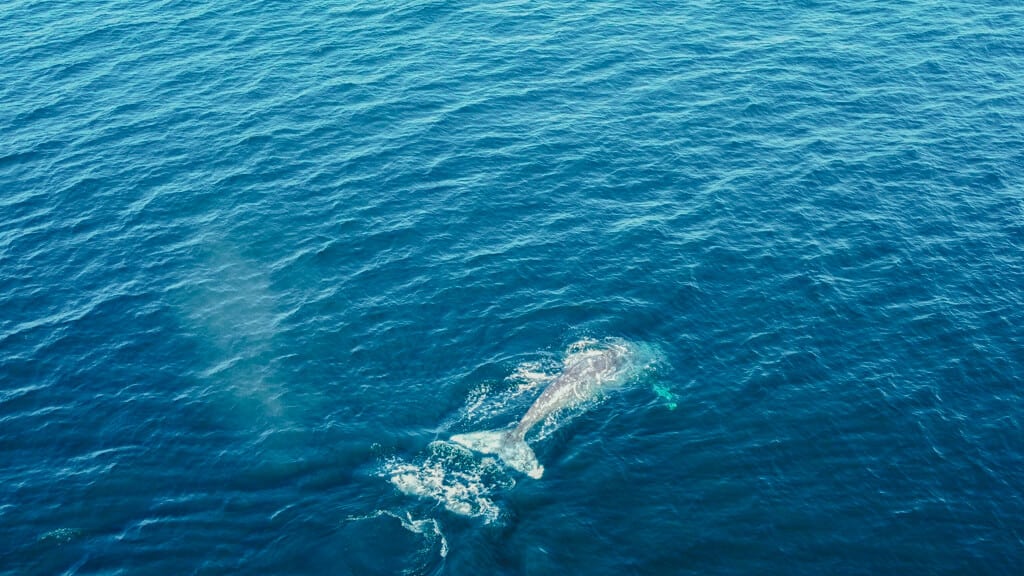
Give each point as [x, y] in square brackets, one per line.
[260, 261]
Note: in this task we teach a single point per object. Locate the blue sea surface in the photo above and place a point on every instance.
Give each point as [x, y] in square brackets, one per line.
[260, 261]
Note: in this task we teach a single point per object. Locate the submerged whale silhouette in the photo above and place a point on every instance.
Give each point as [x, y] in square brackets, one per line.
[584, 374]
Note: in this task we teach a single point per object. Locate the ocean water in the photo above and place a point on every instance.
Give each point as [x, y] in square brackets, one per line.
[259, 262]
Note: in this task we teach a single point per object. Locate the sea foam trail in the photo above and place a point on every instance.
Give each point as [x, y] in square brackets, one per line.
[420, 554]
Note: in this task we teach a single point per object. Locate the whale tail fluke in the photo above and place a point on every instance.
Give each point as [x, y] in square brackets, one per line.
[512, 449]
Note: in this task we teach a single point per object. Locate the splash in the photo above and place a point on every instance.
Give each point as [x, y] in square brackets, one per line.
[500, 400]
[454, 478]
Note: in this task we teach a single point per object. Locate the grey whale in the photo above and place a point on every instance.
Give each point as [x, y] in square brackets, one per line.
[584, 374]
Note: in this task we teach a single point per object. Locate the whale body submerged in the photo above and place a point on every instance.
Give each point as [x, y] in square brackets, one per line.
[584, 375]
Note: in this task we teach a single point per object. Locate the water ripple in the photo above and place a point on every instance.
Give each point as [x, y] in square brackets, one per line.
[247, 253]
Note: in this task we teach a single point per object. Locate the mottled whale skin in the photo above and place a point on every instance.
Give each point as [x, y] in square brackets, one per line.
[584, 374]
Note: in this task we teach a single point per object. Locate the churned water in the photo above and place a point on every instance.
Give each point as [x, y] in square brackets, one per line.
[260, 261]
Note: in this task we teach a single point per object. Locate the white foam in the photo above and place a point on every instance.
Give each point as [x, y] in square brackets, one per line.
[452, 476]
[428, 528]
[421, 527]
[505, 400]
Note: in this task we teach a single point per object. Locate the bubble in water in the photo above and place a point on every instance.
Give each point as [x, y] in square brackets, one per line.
[454, 478]
[60, 535]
